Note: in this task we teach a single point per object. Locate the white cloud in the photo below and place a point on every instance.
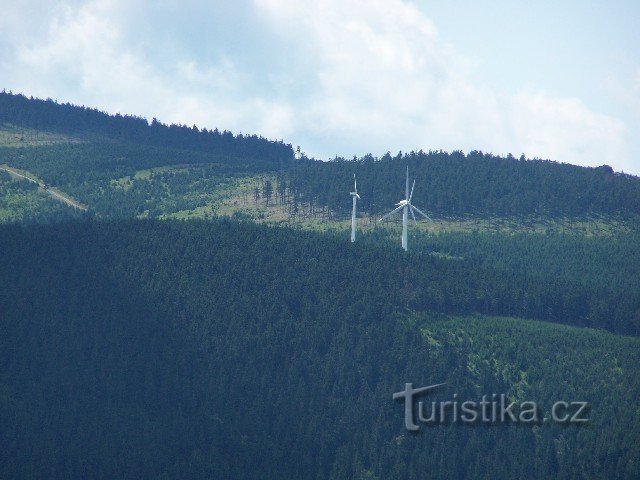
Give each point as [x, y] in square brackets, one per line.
[565, 128]
[334, 76]
[86, 57]
[629, 92]
[386, 81]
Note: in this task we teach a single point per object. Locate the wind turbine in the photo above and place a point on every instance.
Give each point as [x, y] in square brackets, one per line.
[406, 207]
[354, 220]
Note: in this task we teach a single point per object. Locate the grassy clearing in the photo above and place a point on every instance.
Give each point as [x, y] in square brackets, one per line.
[238, 199]
[126, 182]
[16, 137]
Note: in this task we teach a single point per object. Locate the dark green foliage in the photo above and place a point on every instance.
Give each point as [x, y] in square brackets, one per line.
[567, 278]
[91, 164]
[543, 362]
[71, 119]
[22, 201]
[476, 183]
[606, 261]
[86, 171]
[448, 183]
[142, 349]
[229, 350]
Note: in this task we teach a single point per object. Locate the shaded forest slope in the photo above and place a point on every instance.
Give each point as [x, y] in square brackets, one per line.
[230, 350]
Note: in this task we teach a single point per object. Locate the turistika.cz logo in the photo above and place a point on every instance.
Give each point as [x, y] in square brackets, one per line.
[490, 409]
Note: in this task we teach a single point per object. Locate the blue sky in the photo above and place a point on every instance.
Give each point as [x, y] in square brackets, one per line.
[558, 80]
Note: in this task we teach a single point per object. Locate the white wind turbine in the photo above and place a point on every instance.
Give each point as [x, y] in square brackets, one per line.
[406, 207]
[354, 220]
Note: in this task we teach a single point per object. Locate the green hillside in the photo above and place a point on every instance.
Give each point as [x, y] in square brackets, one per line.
[23, 201]
[207, 316]
[230, 350]
[124, 166]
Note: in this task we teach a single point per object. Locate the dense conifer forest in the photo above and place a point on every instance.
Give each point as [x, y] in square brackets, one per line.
[136, 346]
[230, 350]
[476, 183]
[52, 116]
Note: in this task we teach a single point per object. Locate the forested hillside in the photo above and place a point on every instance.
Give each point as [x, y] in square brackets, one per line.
[231, 350]
[476, 183]
[49, 115]
[105, 148]
[94, 173]
[599, 277]
[21, 201]
[561, 278]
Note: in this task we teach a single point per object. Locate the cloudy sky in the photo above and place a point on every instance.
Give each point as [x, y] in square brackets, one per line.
[549, 79]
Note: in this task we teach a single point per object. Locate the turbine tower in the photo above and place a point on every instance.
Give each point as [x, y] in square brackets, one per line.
[406, 207]
[354, 220]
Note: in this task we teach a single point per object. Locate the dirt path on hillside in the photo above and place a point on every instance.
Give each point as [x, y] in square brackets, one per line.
[53, 192]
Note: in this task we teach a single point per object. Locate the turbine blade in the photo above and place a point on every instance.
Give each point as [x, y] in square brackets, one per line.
[412, 187]
[392, 212]
[415, 222]
[407, 184]
[421, 213]
[355, 184]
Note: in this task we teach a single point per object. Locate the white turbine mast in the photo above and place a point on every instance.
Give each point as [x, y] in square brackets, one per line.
[406, 207]
[354, 220]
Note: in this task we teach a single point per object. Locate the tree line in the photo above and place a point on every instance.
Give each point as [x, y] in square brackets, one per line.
[49, 115]
[476, 183]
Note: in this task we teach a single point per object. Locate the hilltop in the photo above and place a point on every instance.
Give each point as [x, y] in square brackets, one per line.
[207, 316]
[124, 166]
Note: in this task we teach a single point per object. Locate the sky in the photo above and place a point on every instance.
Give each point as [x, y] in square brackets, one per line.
[553, 80]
